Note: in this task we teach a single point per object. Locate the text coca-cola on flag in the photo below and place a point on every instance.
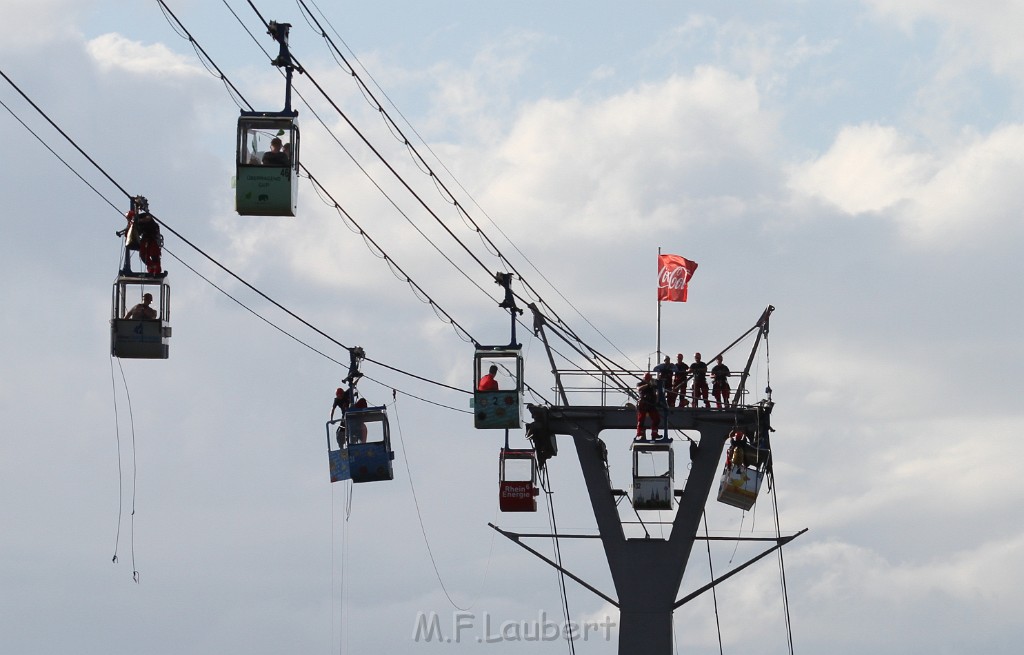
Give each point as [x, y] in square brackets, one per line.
[674, 273]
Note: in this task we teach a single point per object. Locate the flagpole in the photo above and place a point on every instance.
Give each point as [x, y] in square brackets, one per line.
[659, 308]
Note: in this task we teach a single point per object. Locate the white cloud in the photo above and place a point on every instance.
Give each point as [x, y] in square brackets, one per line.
[986, 31]
[113, 51]
[959, 194]
[34, 23]
[630, 156]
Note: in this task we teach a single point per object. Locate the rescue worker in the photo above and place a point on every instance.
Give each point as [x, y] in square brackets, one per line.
[699, 375]
[720, 383]
[647, 405]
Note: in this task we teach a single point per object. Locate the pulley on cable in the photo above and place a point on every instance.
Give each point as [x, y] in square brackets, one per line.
[140, 331]
[362, 434]
[267, 148]
[496, 404]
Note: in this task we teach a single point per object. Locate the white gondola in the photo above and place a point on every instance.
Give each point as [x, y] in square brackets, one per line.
[653, 471]
[498, 407]
[140, 338]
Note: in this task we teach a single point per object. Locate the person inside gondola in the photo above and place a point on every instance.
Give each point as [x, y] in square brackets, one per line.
[487, 382]
[275, 156]
[142, 310]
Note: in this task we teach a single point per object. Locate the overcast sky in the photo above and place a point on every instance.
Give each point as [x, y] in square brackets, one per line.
[855, 164]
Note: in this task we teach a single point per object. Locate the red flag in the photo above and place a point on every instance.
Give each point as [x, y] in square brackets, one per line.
[674, 273]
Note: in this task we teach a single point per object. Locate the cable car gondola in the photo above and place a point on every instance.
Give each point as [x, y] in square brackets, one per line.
[745, 467]
[267, 172]
[267, 149]
[140, 331]
[364, 446]
[653, 470]
[493, 405]
[517, 480]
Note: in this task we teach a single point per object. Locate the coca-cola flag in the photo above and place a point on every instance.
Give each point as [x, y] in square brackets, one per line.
[674, 273]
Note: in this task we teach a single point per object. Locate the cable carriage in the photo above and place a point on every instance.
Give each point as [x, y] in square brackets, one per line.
[133, 333]
[517, 480]
[653, 471]
[745, 467]
[140, 327]
[364, 454]
[267, 149]
[493, 406]
[267, 173]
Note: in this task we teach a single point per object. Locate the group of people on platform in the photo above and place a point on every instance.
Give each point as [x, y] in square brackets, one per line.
[667, 388]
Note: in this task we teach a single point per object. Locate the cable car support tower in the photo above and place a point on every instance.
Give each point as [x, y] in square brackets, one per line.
[647, 572]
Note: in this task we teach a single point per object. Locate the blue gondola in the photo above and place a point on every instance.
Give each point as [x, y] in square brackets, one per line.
[133, 334]
[363, 452]
[498, 405]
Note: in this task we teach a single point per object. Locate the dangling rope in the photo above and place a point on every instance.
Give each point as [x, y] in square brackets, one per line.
[342, 610]
[545, 483]
[416, 502]
[714, 594]
[782, 573]
[120, 476]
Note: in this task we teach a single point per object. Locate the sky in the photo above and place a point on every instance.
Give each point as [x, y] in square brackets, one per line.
[855, 164]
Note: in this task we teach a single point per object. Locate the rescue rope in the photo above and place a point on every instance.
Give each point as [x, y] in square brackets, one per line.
[714, 593]
[342, 611]
[782, 574]
[416, 503]
[545, 483]
[120, 475]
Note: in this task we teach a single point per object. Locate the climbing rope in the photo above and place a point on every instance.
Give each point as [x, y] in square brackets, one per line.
[419, 514]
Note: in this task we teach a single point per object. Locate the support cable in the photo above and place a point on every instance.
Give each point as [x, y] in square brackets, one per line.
[419, 514]
[415, 195]
[405, 120]
[192, 245]
[418, 158]
[782, 574]
[714, 593]
[322, 191]
[545, 482]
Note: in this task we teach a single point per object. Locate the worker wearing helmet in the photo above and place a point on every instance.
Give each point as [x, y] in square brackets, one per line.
[647, 405]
